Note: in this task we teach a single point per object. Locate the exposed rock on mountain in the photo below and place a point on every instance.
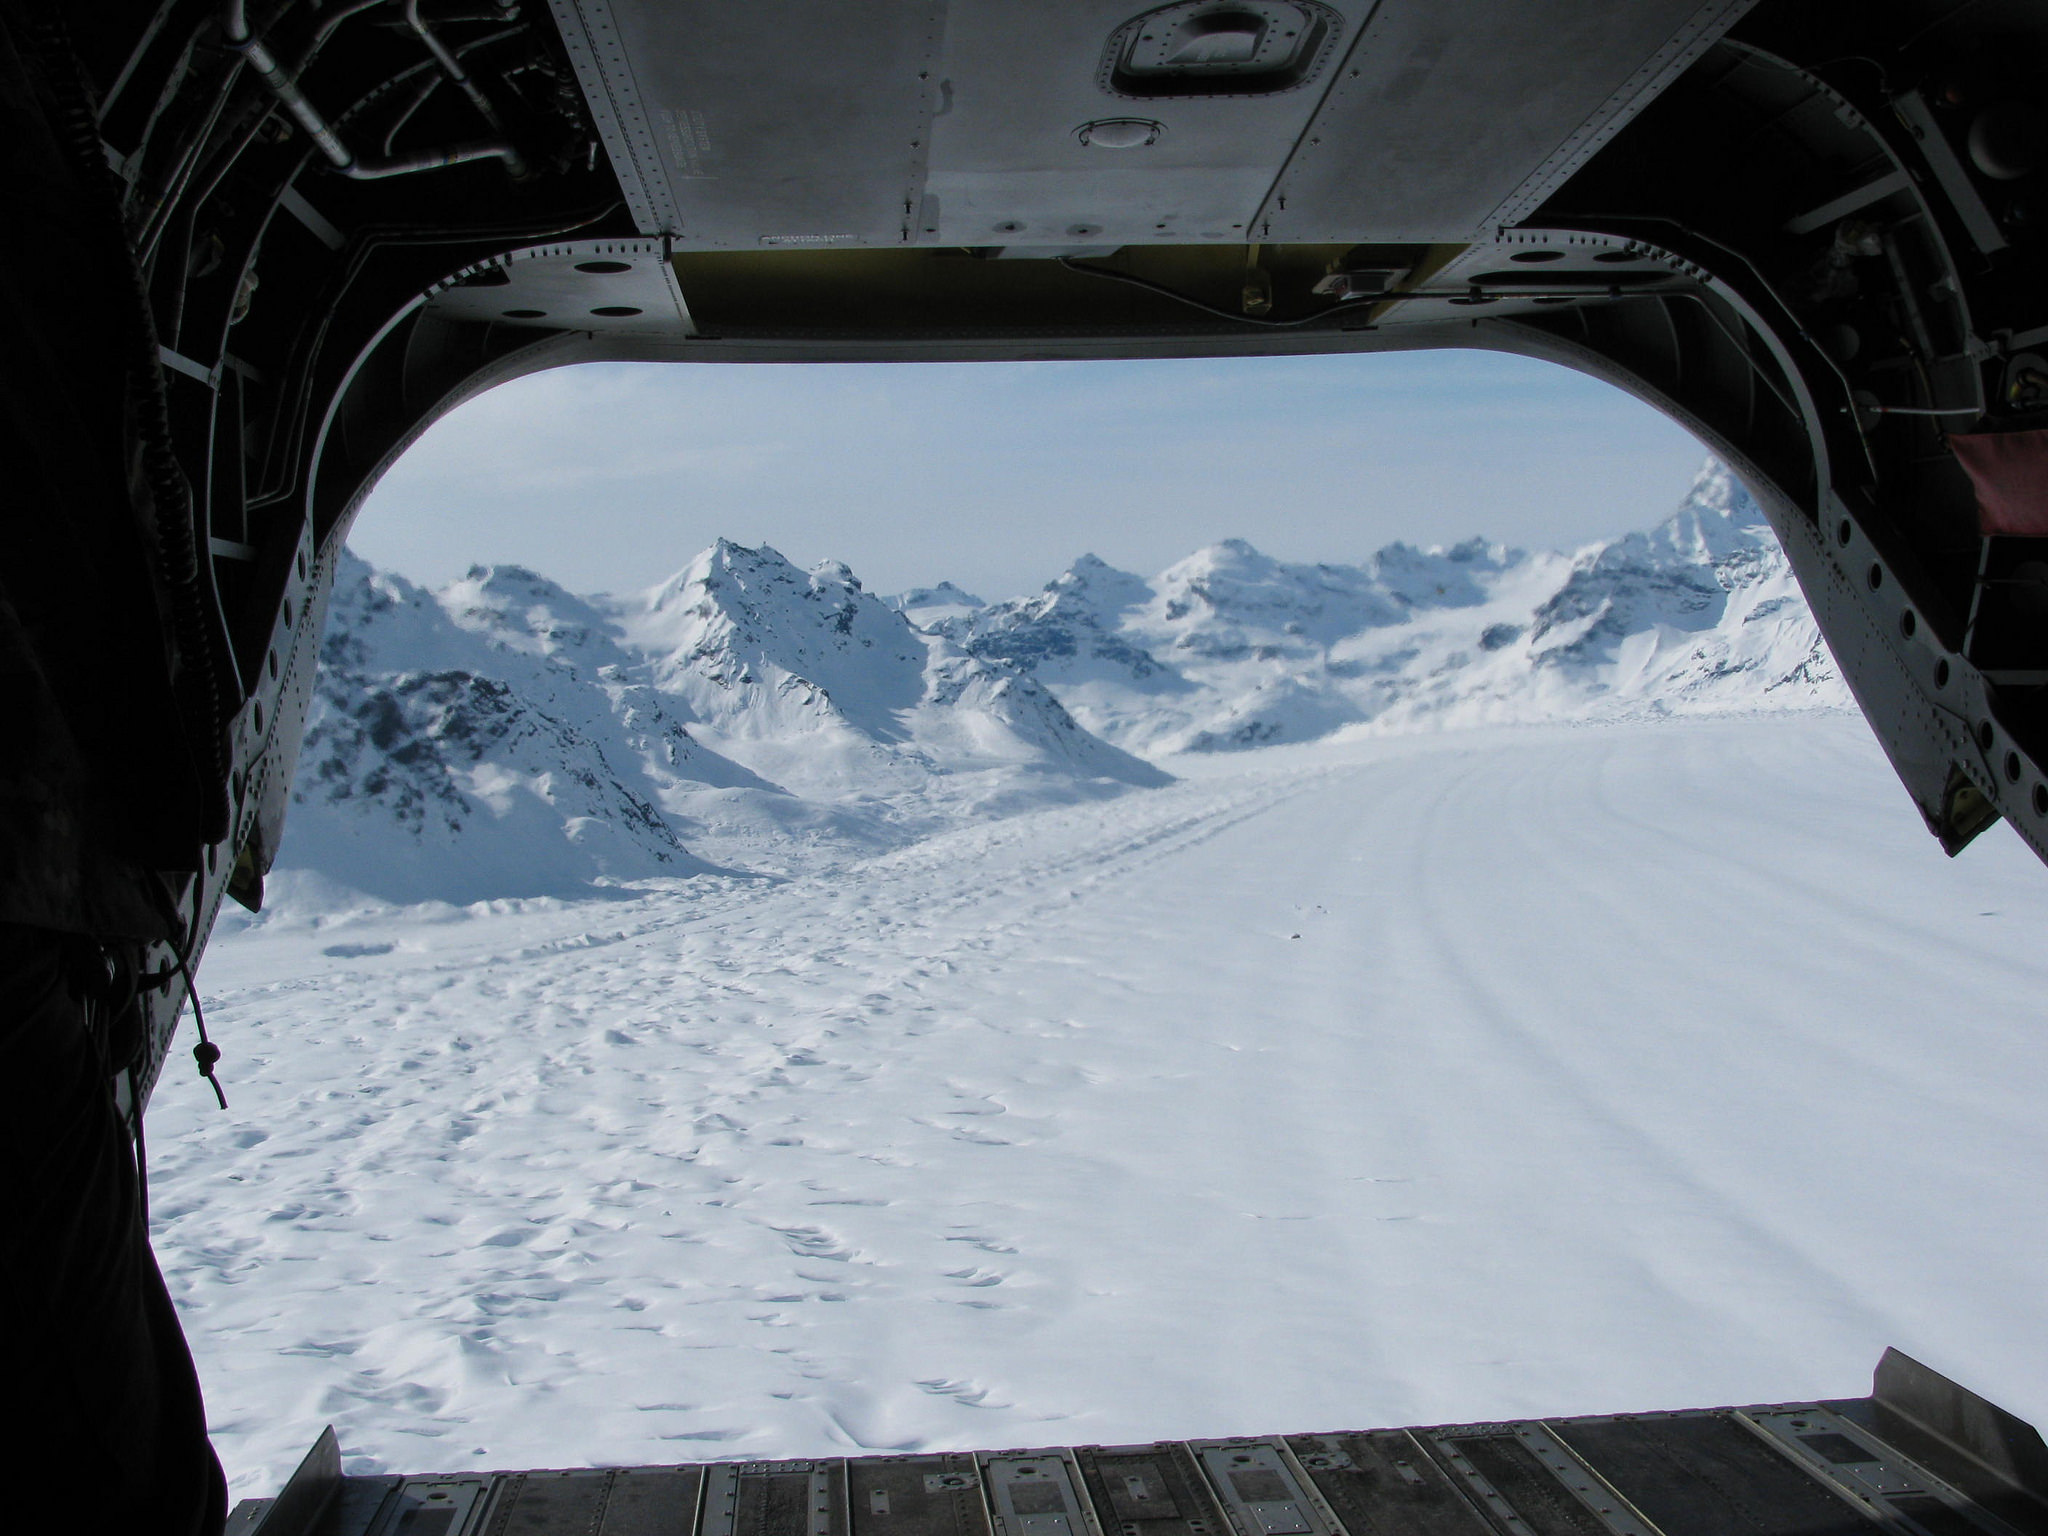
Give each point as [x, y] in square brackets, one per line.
[503, 737]
[816, 683]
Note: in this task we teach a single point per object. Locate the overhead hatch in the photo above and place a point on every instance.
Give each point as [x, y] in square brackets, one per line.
[1220, 48]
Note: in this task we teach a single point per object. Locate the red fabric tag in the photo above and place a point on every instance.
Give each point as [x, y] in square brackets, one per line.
[2010, 472]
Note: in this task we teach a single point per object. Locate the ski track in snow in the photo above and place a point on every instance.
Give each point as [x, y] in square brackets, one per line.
[1408, 1080]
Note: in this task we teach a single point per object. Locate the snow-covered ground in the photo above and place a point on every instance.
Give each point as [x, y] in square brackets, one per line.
[1399, 1079]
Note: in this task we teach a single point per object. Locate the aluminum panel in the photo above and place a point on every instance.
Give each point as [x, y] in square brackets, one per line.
[1870, 1474]
[1019, 79]
[652, 1501]
[915, 1496]
[1035, 1493]
[1262, 1490]
[1450, 116]
[786, 125]
[773, 1498]
[771, 124]
[1150, 1490]
[1384, 1482]
[612, 287]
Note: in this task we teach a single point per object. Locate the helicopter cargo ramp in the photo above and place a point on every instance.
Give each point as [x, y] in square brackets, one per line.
[1920, 1456]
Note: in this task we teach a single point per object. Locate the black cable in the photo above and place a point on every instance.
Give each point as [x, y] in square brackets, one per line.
[1177, 296]
[1884, 78]
[1605, 224]
[156, 217]
[135, 57]
[1936, 25]
[205, 1053]
[434, 82]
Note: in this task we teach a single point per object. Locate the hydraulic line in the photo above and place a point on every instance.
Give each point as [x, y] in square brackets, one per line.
[152, 221]
[331, 25]
[234, 26]
[135, 55]
[283, 84]
[432, 84]
[451, 66]
[405, 113]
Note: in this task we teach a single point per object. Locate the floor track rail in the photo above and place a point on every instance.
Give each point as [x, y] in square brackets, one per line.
[1789, 1469]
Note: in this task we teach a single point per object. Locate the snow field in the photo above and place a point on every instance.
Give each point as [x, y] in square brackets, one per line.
[1398, 1080]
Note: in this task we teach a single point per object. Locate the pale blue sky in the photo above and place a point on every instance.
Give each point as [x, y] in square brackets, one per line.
[996, 475]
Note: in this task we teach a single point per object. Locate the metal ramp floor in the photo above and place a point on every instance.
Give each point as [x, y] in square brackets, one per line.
[1919, 1457]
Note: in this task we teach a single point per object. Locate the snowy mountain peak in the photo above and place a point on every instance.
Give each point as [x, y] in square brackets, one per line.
[1231, 647]
[1229, 598]
[1072, 623]
[1226, 557]
[512, 606]
[1436, 577]
[1716, 487]
[1093, 587]
[505, 736]
[945, 593]
[926, 606]
[1717, 520]
[740, 626]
